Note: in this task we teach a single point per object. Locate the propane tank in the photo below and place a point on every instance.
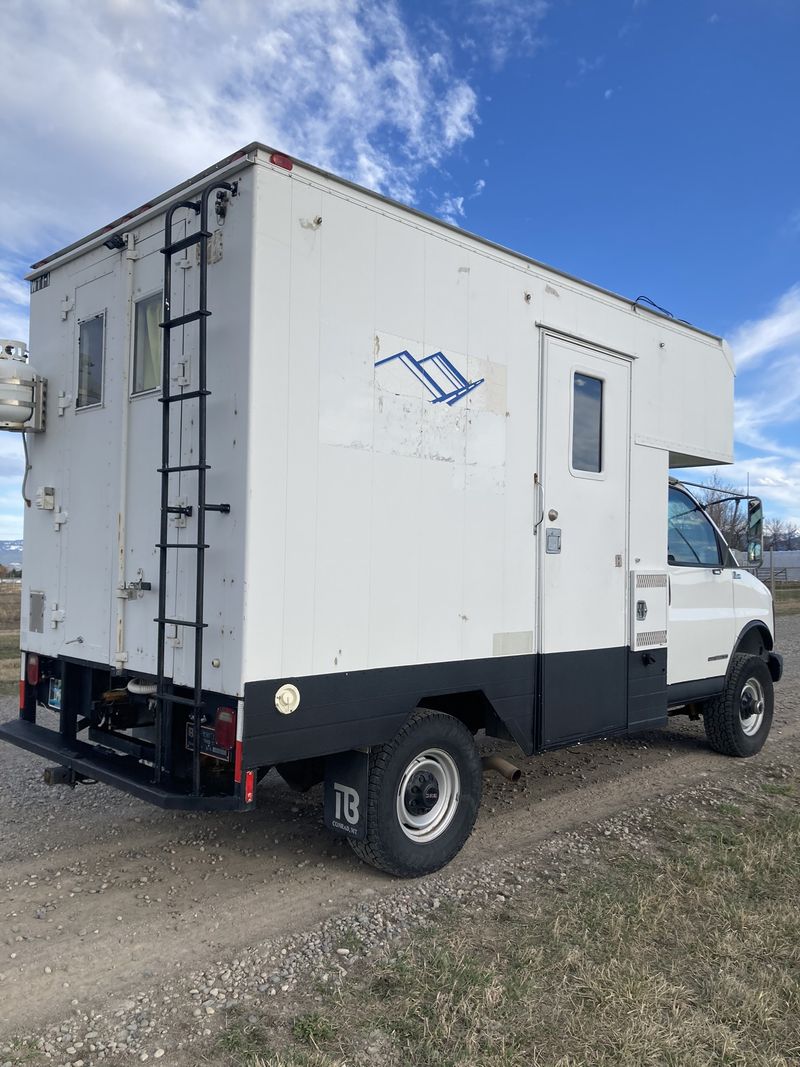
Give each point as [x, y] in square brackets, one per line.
[20, 389]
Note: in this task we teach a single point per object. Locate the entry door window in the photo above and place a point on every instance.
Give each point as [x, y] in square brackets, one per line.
[91, 350]
[147, 344]
[587, 423]
[692, 540]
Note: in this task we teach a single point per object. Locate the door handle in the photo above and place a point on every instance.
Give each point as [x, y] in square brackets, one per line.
[717, 570]
[538, 491]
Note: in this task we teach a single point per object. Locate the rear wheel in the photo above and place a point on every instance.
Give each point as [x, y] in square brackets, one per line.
[738, 721]
[423, 796]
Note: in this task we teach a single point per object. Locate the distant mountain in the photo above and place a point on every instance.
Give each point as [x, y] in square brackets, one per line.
[11, 553]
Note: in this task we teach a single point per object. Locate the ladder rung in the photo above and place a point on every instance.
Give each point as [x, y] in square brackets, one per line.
[184, 467]
[182, 544]
[169, 698]
[182, 320]
[182, 622]
[185, 242]
[178, 398]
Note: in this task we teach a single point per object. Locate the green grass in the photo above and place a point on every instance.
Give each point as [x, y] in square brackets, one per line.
[685, 953]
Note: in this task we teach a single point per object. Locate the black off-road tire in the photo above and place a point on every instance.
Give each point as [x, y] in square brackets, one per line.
[387, 845]
[723, 716]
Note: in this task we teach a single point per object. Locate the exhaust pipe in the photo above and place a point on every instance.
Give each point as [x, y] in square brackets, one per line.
[502, 766]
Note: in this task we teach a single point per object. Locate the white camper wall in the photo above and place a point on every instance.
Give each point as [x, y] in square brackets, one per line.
[369, 526]
[401, 530]
[75, 562]
[402, 541]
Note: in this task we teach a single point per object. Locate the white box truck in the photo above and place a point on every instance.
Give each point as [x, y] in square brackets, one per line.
[321, 483]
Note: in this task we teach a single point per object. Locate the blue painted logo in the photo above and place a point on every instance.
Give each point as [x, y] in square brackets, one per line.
[439, 376]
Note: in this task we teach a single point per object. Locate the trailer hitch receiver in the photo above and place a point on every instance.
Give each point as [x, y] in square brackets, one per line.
[59, 775]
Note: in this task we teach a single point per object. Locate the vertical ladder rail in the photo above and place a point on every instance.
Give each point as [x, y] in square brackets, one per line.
[166, 700]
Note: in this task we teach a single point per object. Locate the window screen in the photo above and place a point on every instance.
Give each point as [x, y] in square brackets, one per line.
[147, 344]
[587, 423]
[90, 362]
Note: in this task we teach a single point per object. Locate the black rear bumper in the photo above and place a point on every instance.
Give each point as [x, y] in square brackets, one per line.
[121, 772]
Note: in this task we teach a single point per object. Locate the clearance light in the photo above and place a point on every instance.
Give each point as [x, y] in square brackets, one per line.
[225, 727]
[249, 786]
[279, 160]
[32, 672]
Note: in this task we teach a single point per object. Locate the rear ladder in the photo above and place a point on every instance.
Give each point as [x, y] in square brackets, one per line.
[165, 696]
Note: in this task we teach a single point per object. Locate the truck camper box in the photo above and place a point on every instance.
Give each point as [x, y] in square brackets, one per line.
[313, 476]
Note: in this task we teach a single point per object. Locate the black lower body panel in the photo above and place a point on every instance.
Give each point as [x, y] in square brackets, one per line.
[119, 771]
[542, 701]
[356, 709]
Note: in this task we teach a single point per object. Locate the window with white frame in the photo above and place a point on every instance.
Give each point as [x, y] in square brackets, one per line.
[587, 423]
[147, 344]
[91, 351]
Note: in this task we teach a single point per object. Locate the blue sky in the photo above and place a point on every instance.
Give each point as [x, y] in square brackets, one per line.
[651, 146]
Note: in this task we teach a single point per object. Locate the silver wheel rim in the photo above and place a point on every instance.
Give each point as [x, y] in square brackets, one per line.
[428, 795]
[751, 706]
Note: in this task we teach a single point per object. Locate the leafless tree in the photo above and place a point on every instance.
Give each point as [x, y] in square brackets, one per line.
[781, 534]
[728, 512]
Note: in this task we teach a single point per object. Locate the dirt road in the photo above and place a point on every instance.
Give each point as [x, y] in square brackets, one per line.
[104, 896]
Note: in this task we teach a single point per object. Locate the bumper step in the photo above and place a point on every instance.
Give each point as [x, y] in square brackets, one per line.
[120, 772]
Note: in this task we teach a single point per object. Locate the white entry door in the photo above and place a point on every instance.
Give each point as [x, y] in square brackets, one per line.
[583, 541]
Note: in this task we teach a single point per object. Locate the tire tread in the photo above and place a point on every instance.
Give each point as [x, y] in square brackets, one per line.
[720, 715]
[371, 849]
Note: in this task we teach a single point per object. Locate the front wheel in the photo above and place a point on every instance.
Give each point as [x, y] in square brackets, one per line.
[738, 721]
[423, 796]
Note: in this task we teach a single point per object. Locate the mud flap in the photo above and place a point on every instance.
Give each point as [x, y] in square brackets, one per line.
[346, 782]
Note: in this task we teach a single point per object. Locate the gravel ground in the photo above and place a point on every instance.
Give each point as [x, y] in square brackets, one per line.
[128, 934]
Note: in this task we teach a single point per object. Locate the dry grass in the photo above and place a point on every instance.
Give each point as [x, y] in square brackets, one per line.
[687, 954]
[787, 598]
[10, 594]
[9, 662]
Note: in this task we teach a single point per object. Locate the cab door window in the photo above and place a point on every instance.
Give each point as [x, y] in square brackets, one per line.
[692, 540]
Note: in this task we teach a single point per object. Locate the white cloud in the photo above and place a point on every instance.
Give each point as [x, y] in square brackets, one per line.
[451, 209]
[507, 27]
[775, 332]
[768, 476]
[762, 413]
[608, 94]
[588, 66]
[116, 100]
[12, 289]
[767, 414]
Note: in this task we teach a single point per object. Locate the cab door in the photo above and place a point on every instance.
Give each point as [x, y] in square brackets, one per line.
[701, 622]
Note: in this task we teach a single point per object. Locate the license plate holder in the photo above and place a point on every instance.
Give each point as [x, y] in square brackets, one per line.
[54, 694]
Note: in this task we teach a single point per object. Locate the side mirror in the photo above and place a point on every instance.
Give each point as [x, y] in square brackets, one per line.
[755, 532]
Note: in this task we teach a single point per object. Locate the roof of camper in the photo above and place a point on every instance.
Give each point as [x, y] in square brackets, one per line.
[246, 155]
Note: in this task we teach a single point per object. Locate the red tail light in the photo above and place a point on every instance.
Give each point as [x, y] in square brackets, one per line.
[225, 727]
[249, 786]
[32, 670]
